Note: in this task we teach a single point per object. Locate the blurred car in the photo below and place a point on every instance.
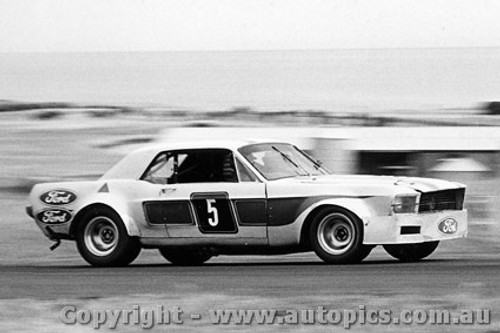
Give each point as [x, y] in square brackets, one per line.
[196, 200]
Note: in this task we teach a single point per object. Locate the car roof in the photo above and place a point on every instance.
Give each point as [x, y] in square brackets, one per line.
[205, 144]
[133, 165]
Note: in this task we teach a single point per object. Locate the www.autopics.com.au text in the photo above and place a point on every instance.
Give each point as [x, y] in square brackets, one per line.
[162, 315]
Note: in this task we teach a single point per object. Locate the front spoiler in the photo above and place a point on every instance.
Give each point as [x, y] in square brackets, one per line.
[387, 229]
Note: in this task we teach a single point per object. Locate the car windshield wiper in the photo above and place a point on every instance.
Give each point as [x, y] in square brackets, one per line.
[317, 164]
[287, 158]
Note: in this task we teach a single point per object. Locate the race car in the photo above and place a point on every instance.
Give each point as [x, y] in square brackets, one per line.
[196, 200]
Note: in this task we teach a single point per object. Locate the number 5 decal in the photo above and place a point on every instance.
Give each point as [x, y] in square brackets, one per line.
[211, 209]
[214, 212]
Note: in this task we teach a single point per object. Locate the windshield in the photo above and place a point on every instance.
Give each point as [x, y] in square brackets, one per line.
[281, 160]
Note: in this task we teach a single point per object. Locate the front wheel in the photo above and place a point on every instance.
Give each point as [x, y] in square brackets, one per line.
[185, 257]
[102, 239]
[337, 237]
[411, 252]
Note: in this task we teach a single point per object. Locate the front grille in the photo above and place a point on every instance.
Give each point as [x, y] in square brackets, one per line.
[442, 200]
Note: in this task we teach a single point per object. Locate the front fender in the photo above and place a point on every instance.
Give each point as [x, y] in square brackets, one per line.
[362, 207]
[359, 206]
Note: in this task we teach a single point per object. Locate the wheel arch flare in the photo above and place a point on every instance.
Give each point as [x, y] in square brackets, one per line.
[354, 207]
[114, 205]
[297, 232]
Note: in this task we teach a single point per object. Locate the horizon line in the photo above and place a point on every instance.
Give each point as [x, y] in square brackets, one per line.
[255, 50]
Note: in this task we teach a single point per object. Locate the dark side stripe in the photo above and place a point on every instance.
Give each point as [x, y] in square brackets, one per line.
[250, 212]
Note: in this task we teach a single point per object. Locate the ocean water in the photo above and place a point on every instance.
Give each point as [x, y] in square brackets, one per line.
[331, 80]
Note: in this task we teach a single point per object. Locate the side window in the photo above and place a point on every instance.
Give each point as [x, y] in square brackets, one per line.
[192, 166]
[161, 171]
[245, 174]
[207, 166]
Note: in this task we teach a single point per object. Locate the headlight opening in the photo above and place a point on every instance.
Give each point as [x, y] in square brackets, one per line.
[405, 203]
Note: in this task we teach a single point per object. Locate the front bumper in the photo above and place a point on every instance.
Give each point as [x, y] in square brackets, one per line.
[423, 227]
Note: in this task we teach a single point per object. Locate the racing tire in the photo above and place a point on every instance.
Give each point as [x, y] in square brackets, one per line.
[411, 252]
[103, 241]
[336, 236]
[185, 257]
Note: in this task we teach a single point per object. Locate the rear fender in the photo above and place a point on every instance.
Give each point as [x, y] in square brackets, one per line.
[113, 202]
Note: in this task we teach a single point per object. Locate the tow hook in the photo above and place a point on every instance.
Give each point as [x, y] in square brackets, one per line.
[53, 238]
[56, 244]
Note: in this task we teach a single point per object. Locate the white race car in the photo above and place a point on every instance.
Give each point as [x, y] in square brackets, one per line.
[193, 201]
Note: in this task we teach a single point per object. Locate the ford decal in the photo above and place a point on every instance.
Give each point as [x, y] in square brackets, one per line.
[54, 216]
[58, 197]
[448, 226]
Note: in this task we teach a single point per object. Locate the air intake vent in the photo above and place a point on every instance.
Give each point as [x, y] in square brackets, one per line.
[410, 230]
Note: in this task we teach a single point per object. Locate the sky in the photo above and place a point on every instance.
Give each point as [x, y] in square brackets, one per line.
[179, 25]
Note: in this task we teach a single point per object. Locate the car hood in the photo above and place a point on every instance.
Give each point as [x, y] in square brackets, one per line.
[370, 185]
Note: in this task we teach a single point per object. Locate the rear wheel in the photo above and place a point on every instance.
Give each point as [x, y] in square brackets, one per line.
[185, 257]
[337, 237]
[102, 239]
[411, 252]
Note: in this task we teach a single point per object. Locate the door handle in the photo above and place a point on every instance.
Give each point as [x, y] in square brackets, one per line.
[167, 190]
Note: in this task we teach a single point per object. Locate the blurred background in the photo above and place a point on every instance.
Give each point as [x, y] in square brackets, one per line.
[407, 112]
[366, 87]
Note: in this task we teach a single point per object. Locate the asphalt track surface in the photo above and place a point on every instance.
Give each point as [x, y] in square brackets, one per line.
[277, 277]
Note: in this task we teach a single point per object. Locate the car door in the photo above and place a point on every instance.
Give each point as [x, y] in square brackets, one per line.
[206, 193]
